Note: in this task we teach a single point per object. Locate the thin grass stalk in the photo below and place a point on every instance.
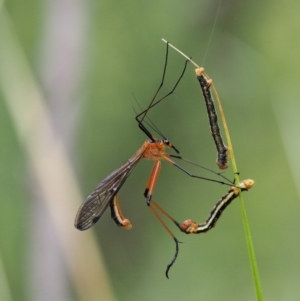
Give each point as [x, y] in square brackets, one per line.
[250, 247]
[253, 263]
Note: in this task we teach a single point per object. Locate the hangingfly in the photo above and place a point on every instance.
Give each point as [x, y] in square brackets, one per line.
[106, 193]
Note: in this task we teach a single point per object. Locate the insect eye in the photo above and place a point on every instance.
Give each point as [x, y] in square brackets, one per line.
[166, 141]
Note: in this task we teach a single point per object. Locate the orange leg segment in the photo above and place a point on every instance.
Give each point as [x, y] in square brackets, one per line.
[152, 181]
[169, 231]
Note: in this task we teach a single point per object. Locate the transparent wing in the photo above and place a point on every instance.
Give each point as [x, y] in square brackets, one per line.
[97, 202]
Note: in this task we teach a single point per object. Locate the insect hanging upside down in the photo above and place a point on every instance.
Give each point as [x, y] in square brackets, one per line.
[106, 193]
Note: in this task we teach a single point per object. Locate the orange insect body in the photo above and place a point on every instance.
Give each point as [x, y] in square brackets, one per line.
[153, 150]
[106, 192]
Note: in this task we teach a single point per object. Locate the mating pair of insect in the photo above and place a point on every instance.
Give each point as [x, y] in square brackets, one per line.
[105, 194]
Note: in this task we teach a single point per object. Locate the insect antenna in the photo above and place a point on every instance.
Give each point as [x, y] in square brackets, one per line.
[151, 124]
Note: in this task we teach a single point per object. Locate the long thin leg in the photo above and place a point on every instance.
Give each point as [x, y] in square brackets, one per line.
[172, 91]
[206, 83]
[153, 102]
[191, 227]
[172, 235]
[165, 213]
[144, 113]
[166, 157]
[152, 181]
[161, 99]
[203, 167]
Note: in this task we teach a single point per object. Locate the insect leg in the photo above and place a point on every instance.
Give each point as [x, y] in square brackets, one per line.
[152, 181]
[172, 235]
[116, 214]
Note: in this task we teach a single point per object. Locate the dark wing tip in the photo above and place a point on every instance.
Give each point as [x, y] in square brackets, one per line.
[79, 226]
[85, 225]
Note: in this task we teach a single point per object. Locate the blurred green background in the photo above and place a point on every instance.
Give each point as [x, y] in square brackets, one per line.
[70, 72]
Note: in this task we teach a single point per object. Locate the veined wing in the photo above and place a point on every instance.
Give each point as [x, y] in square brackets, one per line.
[97, 202]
